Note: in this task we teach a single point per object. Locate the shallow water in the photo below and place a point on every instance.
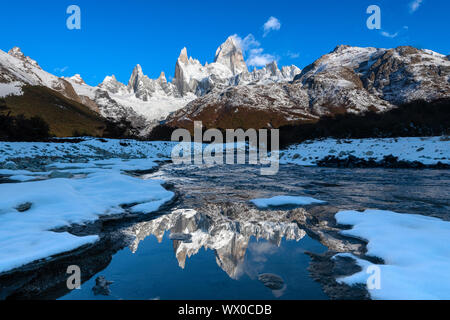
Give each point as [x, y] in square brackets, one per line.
[153, 272]
[401, 190]
[226, 255]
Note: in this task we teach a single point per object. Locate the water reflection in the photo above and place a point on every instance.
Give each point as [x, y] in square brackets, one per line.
[229, 239]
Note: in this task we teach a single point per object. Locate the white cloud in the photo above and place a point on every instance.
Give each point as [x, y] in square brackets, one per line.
[253, 51]
[389, 35]
[273, 24]
[61, 70]
[257, 58]
[415, 5]
[247, 43]
[402, 31]
[293, 55]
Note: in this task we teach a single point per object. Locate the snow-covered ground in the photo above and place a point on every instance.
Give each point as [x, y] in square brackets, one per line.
[415, 250]
[283, 201]
[90, 147]
[428, 150]
[65, 192]
[10, 89]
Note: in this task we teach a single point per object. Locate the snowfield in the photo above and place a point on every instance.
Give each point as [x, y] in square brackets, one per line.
[415, 250]
[427, 150]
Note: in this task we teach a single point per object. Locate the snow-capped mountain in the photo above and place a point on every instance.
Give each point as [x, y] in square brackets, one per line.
[18, 69]
[143, 101]
[397, 75]
[226, 94]
[347, 80]
[228, 69]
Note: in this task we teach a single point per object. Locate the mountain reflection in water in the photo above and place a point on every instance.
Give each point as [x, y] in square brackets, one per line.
[229, 239]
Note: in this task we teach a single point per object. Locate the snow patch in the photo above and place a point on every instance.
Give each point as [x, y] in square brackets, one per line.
[415, 250]
[283, 201]
[10, 89]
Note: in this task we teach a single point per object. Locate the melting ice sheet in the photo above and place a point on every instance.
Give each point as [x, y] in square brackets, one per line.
[415, 248]
[29, 211]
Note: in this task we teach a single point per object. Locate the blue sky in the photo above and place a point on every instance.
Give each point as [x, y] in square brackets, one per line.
[116, 35]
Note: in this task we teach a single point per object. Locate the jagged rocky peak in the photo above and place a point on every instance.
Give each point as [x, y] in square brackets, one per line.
[273, 68]
[162, 78]
[112, 85]
[341, 48]
[145, 88]
[136, 76]
[140, 84]
[186, 73]
[228, 69]
[16, 52]
[289, 72]
[183, 56]
[109, 79]
[230, 54]
[77, 79]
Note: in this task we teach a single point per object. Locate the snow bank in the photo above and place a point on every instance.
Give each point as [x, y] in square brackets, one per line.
[429, 150]
[26, 234]
[10, 89]
[415, 249]
[283, 201]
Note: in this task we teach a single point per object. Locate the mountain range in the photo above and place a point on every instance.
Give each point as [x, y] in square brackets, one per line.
[225, 94]
[347, 80]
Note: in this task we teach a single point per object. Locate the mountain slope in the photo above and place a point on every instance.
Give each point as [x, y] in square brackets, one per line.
[28, 90]
[65, 117]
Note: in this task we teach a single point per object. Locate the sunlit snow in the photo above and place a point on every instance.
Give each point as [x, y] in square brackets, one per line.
[415, 250]
[283, 201]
